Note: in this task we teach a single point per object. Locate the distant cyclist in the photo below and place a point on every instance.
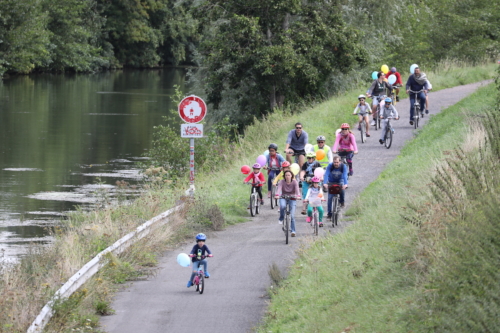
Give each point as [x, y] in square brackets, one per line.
[320, 140]
[416, 82]
[296, 143]
[336, 173]
[388, 111]
[345, 143]
[379, 87]
[363, 110]
[274, 163]
[398, 83]
[257, 179]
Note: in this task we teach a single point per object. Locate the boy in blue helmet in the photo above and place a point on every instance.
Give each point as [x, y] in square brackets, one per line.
[198, 253]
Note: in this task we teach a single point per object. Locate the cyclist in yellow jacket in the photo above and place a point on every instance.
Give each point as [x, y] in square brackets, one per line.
[328, 152]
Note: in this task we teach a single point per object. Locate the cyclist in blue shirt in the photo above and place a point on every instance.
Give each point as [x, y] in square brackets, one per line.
[336, 173]
[198, 254]
[416, 82]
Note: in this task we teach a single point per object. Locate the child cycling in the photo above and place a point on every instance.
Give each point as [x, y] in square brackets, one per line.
[198, 254]
[306, 174]
[346, 144]
[315, 196]
[274, 163]
[284, 167]
[257, 179]
[363, 110]
[388, 111]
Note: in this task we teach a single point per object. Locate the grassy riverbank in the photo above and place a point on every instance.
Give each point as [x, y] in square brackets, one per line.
[26, 287]
[410, 257]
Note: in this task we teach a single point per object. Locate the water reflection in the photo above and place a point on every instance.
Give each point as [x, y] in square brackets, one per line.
[63, 138]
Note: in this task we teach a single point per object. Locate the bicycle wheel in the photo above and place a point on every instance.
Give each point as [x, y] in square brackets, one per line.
[316, 223]
[416, 113]
[363, 132]
[257, 205]
[252, 204]
[336, 215]
[274, 202]
[286, 227]
[376, 117]
[201, 284]
[388, 137]
[334, 210]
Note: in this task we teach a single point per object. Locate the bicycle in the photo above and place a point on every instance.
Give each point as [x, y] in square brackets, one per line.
[389, 131]
[417, 111]
[199, 278]
[362, 127]
[286, 222]
[343, 158]
[335, 189]
[315, 216]
[254, 200]
[377, 112]
[393, 95]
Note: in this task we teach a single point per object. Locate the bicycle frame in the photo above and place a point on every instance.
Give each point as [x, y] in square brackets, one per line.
[417, 108]
[286, 223]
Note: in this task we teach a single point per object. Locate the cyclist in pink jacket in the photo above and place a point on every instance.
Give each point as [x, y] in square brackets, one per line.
[346, 144]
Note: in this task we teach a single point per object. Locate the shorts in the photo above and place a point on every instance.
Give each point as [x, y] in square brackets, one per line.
[375, 100]
[298, 152]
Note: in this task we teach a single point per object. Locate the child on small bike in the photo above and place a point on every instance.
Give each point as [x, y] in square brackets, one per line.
[306, 174]
[284, 167]
[315, 197]
[198, 255]
[257, 179]
[363, 110]
[388, 111]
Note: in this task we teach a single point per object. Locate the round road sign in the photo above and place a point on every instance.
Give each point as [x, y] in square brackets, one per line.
[192, 109]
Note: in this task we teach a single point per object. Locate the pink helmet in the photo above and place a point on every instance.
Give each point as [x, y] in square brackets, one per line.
[315, 179]
[285, 164]
[256, 166]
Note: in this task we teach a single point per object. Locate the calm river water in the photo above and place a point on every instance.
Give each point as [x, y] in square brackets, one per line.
[65, 137]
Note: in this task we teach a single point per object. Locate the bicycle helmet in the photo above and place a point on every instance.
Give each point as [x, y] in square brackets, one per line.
[315, 179]
[256, 166]
[345, 125]
[361, 96]
[201, 236]
[273, 146]
[393, 69]
[285, 164]
[321, 138]
[388, 100]
[311, 154]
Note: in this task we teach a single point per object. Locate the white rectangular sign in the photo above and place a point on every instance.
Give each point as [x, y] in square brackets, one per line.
[191, 130]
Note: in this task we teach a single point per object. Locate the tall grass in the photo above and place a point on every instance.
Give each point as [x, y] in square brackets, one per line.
[375, 276]
[26, 287]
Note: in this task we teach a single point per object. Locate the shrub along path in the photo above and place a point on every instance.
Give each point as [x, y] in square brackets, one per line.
[236, 293]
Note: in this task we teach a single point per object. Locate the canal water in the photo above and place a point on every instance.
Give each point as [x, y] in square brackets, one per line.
[66, 138]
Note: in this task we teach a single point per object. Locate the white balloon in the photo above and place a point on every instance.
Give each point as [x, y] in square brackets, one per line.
[309, 148]
[392, 79]
[412, 68]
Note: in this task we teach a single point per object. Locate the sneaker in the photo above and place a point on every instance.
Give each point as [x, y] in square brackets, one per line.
[351, 172]
[427, 111]
[421, 114]
[372, 123]
[397, 98]
[381, 141]
[329, 217]
[293, 234]
[190, 283]
[342, 205]
[359, 128]
[308, 219]
[303, 212]
[262, 202]
[207, 275]
[411, 122]
[280, 222]
[320, 224]
[367, 134]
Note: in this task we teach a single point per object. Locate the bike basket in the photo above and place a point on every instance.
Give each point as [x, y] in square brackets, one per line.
[334, 188]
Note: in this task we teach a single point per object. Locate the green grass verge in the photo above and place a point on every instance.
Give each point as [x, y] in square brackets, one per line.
[363, 279]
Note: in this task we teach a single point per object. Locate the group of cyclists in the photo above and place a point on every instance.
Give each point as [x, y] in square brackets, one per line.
[335, 172]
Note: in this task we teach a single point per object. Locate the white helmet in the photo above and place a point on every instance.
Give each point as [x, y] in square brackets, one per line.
[361, 96]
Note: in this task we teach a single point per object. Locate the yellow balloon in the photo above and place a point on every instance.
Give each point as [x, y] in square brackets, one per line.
[385, 69]
[295, 168]
[320, 154]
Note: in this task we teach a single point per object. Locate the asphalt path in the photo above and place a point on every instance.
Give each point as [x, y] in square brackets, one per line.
[235, 296]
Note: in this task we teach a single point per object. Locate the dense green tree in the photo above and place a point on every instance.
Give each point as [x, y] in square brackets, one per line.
[76, 35]
[271, 53]
[24, 38]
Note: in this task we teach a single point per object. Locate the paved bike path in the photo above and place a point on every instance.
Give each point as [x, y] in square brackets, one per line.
[235, 298]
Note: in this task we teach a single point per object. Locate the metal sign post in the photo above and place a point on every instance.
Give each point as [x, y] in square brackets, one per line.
[192, 110]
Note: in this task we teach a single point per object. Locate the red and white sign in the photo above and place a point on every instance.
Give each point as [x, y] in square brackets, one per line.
[191, 130]
[192, 109]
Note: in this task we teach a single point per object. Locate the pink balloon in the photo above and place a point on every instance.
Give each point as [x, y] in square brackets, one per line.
[262, 160]
[319, 172]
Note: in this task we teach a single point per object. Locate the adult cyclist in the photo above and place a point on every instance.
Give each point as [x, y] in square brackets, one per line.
[379, 87]
[335, 174]
[416, 82]
[273, 166]
[320, 140]
[398, 83]
[296, 143]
